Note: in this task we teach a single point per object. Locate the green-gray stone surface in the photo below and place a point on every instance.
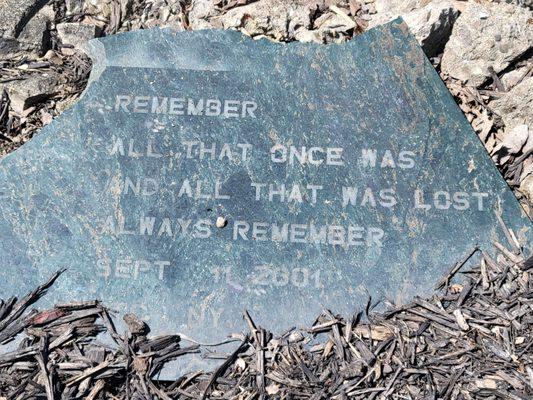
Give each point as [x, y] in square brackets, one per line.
[125, 188]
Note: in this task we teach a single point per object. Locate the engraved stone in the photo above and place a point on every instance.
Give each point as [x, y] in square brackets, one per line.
[336, 171]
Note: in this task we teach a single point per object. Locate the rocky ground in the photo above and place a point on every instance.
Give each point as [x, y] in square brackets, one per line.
[481, 48]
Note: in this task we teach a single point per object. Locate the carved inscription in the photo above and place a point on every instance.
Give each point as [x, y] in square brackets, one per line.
[287, 191]
[204, 173]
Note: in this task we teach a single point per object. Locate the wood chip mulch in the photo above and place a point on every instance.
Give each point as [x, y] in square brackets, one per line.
[471, 340]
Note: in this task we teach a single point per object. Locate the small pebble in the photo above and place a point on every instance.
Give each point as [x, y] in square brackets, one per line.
[221, 222]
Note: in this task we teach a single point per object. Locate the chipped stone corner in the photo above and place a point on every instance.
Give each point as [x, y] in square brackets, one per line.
[95, 49]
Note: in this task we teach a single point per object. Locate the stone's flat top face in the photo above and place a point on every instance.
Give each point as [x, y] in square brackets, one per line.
[203, 173]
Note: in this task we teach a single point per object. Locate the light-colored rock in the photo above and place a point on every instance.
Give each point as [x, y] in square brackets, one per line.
[488, 35]
[201, 15]
[512, 78]
[175, 24]
[74, 7]
[158, 13]
[527, 168]
[516, 106]
[307, 36]
[521, 3]
[14, 15]
[514, 139]
[10, 47]
[280, 19]
[32, 90]
[431, 22]
[105, 9]
[399, 6]
[221, 222]
[529, 145]
[76, 34]
[24, 27]
[432, 25]
[387, 10]
[36, 32]
[333, 24]
[102, 8]
[526, 187]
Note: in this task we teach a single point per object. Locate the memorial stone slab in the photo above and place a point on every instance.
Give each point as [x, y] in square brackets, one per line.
[204, 173]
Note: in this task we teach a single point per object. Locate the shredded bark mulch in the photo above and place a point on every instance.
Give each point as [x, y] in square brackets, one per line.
[471, 340]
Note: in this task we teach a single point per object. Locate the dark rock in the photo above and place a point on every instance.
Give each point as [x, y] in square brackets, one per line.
[386, 184]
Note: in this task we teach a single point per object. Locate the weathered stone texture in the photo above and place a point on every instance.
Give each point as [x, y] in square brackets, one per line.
[24, 26]
[430, 21]
[432, 25]
[15, 14]
[281, 19]
[76, 34]
[487, 36]
[26, 93]
[155, 210]
[516, 106]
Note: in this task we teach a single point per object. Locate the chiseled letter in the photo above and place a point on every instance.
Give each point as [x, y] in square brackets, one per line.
[159, 106]
[349, 196]
[480, 197]
[122, 103]
[406, 159]
[248, 108]
[118, 148]
[369, 157]
[146, 226]
[374, 236]
[239, 229]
